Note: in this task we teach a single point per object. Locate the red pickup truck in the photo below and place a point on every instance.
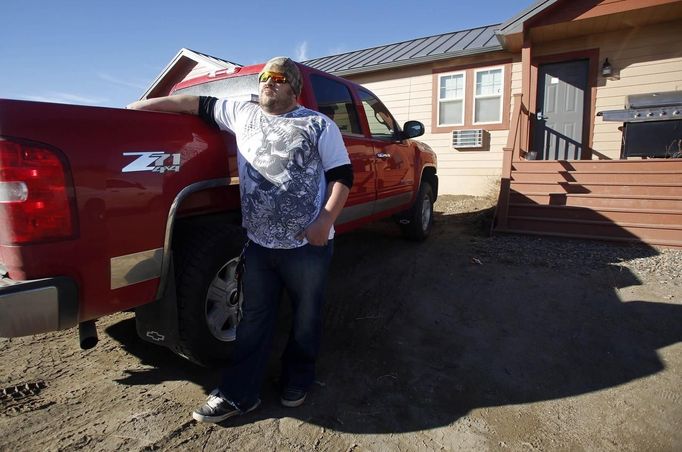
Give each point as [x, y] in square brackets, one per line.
[105, 210]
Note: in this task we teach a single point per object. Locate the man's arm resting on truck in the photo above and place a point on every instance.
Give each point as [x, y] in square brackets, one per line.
[183, 103]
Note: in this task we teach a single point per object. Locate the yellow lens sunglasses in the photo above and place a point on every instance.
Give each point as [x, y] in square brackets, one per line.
[276, 77]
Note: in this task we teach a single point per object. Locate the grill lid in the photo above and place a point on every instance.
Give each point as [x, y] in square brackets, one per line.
[648, 107]
[655, 100]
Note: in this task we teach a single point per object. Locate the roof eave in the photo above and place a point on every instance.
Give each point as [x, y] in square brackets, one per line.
[189, 53]
[511, 42]
[501, 38]
[415, 61]
[516, 23]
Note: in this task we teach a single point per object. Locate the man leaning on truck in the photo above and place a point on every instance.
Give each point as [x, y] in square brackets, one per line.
[295, 176]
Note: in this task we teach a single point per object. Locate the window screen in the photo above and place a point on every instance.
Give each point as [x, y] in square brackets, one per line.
[451, 99]
[488, 96]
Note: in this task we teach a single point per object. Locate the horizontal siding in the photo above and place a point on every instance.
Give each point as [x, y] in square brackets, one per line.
[647, 82]
[468, 184]
[485, 159]
[517, 78]
[650, 68]
[471, 171]
[646, 59]
[408, 94]
[639, 42]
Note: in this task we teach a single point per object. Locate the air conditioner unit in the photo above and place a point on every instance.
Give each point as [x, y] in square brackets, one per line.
[471, 138]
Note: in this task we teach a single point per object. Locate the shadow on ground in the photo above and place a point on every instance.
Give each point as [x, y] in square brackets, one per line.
[418, 334]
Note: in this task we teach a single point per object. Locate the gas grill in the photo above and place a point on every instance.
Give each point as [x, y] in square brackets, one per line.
[652, 125]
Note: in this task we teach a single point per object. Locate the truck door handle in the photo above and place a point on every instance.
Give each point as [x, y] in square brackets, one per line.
[383, 155]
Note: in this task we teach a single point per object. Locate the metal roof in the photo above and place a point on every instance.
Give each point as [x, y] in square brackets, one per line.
[415, 51]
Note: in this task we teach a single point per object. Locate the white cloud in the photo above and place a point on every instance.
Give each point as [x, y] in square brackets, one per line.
[302, 51]
[65, 98]
[117, 81]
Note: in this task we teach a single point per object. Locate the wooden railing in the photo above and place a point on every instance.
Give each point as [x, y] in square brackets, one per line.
[511, 149]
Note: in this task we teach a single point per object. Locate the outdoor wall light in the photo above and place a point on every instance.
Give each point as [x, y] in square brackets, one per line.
[606, 69]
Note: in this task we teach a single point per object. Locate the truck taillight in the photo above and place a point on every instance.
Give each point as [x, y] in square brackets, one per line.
[36, 201]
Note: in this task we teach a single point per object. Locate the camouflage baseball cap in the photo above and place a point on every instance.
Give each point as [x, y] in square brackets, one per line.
[287, 67]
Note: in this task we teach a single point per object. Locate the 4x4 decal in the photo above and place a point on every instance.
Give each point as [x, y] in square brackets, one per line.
[152, 161]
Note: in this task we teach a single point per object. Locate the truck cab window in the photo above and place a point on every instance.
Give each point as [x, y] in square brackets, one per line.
[334, 100]
[243, 88]
[381, 124]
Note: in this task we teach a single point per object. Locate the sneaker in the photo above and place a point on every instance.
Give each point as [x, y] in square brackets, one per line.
[293, 397]
[217, 408]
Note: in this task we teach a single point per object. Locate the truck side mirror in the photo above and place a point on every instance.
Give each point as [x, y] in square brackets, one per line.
[413, 129]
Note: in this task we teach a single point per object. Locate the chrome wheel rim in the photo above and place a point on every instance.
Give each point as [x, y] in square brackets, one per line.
[223, 310]
[426, 212]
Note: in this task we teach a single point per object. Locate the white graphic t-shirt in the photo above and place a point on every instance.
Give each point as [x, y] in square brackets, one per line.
[282, 160]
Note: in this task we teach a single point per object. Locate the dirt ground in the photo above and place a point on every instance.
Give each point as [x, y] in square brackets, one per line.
[462, 342]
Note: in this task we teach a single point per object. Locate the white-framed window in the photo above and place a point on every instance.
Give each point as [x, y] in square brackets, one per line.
[451, 91]
[488, 95]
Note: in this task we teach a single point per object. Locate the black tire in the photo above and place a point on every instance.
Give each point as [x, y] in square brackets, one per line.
[416, 225]
[206, 258]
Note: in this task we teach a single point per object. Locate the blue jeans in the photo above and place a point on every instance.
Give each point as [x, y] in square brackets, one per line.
[303, 273]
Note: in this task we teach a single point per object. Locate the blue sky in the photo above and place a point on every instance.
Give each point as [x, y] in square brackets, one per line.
[107, 53]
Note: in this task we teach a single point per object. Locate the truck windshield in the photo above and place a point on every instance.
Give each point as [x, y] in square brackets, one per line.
[235, 88]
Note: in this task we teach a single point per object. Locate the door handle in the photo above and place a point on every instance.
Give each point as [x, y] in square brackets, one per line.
[540, 116]
[383, 155]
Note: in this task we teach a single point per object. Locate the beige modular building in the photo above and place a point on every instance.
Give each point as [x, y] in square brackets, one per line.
[526, 110]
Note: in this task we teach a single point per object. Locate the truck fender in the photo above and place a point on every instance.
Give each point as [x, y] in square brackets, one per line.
[157, 322]
[170, 223]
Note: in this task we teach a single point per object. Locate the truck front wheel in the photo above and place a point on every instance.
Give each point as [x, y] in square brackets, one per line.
[420, 217]
[208, 311]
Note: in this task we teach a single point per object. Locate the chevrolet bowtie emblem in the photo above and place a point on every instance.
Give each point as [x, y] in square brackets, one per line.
[157, 337]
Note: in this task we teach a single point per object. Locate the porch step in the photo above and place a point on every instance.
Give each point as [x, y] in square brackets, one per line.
[602, 166]
[627, 200]
[603, 230]
[623, 189]
[598, 201]
[600, 177]
[643, 217]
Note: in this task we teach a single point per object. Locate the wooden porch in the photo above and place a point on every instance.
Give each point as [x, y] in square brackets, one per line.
[622, 200]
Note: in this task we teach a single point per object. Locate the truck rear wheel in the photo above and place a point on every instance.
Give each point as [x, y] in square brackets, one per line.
[208, 311]
[420, 217]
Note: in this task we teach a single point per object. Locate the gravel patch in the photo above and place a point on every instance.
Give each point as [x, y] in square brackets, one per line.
[557, 252]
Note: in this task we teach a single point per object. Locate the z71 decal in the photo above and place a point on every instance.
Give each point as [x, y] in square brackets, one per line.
[152, 161]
